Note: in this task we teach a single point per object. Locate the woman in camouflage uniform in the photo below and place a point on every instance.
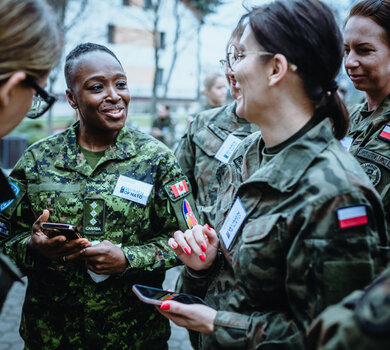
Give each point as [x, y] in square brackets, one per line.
[125, 193]
[367, 62]
[298, 221]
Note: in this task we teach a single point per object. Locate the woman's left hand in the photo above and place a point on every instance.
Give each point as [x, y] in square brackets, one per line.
[105, 258]
[197, 317]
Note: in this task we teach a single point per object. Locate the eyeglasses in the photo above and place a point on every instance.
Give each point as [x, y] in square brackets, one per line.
[234, 56]
[42, 100]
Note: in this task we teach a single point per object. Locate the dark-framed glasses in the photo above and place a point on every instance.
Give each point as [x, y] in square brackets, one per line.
[42, 100]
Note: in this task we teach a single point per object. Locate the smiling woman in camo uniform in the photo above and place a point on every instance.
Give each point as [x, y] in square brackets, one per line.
[298, 223]
[125, 193]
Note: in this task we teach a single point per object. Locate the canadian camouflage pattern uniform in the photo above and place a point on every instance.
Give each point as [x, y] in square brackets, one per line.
[64, 308]
[370, 149]
[360, 321]
[289, 258]
[198, 146]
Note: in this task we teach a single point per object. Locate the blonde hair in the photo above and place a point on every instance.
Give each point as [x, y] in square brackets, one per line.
[30, 40]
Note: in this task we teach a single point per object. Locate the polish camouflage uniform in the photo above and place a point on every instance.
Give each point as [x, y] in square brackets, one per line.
[64, 308]
[360, 321]
[198, 146]
[289, 258]
[371, 146]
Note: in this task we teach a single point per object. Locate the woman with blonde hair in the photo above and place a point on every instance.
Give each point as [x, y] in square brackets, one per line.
[30, 46]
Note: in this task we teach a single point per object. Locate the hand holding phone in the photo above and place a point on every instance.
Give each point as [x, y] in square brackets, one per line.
[157, 296]
[52, 229]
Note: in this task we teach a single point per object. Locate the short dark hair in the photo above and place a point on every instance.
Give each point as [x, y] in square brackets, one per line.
[79, 51]
[376, 10]
[306, 33]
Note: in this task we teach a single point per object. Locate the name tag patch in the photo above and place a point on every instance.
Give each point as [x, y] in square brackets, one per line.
[346, 142]
[228, 147]
[189, 215]
[352, 216]
[133, 190]
[233, 221]
[385, 133]
[94, 216]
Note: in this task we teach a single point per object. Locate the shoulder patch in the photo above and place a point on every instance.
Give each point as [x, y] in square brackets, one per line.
[373, 172]
[385, 133]
[374, 157]
[178, 189]
[352, 216]
[189, 215]
[7, 208]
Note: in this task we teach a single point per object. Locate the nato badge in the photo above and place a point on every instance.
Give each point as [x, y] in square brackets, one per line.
[6, 204]
[94, 216]
[189, 215]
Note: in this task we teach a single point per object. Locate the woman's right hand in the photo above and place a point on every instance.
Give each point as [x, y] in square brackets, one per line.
[53, 248]
[197, 248]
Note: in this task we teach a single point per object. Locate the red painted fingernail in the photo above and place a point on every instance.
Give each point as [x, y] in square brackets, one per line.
[187, 250]
[174, 245]
[165, 306]
[202, 257]
[208, 227]
[203, 247]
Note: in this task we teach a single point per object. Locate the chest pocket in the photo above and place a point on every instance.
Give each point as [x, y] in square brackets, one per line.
[62, 200]
[208, 141]
[260, 256]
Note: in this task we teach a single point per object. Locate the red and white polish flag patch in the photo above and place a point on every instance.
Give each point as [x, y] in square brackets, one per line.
[179, 188]
[352, 216]
[385, 133]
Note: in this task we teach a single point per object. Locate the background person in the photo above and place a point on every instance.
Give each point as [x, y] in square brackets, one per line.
[30, 46]
[120, 187]
[215, 90]
[298, 221]
[367, 63]
[163, 127]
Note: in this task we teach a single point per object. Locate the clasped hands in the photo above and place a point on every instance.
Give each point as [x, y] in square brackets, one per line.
[196, 248]
[103, 258]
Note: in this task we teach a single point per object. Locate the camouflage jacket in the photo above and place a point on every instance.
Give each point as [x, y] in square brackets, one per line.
[360, 321]
[370, 132]
[64, 308]
[295, 250]
[198, 147]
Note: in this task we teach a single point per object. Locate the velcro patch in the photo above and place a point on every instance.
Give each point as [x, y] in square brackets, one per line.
[4, 231]
[94, 216]
[178, 189]
[352, 216]
[385, 133]
[7, 208]
[374, 157]
[189, 215]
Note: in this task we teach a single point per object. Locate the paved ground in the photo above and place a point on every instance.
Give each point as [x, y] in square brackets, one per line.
[10, 319]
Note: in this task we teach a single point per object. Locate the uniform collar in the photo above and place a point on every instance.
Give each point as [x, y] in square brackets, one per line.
[286, 168]
[73, 158]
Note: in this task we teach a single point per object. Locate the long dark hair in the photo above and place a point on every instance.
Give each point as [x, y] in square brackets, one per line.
[306, 33]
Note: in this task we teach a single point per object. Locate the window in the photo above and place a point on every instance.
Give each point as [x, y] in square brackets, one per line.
[159, 78]
[111, 33]
[162, 40]
[126, 2]
[147, 4]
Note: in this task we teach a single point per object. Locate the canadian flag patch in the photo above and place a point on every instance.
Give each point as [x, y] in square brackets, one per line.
[352, 216]
[179, 188]
[385, 133]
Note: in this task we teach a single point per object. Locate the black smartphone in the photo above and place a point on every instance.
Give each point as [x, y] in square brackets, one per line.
[52, 229]
[156, 296]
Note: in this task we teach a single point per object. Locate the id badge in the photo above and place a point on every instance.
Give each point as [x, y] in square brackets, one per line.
[232, 223]
[94, 216]
[228, 147]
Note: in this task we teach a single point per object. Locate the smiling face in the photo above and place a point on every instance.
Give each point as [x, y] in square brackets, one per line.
[99, 92]
[250, 76]
[367, 56]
